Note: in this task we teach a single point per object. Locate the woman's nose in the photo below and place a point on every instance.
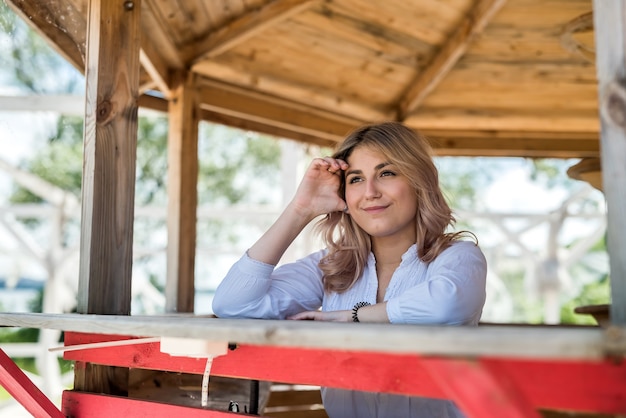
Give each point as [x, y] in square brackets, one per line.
[371, 190]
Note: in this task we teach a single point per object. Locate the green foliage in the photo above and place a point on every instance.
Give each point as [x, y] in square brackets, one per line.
[236, 166]
[595, 293]
[525, 310]
[28, 61]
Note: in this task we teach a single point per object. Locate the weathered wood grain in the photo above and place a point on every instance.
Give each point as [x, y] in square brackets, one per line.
[549, 342]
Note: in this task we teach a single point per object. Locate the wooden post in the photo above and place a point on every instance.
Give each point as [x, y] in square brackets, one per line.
[110, 146]
[182, 194]
[610, 33]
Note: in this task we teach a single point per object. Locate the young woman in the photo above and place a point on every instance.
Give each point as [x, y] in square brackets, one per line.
[388, 256]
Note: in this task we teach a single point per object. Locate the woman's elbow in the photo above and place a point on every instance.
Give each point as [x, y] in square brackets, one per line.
[220, 309]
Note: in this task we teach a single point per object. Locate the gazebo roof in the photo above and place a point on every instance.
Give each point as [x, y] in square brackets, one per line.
[479, 77]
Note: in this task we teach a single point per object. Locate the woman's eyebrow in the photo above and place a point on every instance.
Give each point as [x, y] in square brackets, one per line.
[378, 167]
[353, 172]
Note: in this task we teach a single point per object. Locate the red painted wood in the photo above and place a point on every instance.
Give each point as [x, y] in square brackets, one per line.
[477, 391]
[88, 405]
[13, 379]
[402, 374]
[578, 386]
[567, 385]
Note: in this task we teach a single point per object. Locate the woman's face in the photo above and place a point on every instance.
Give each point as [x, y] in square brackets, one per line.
[379, 198]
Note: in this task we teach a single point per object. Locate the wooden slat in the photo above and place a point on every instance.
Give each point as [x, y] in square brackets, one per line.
[429, 77]
[610, 29]
[310, 413]
[243, 28]
[88, 405]
[547, 342]
[182, 194]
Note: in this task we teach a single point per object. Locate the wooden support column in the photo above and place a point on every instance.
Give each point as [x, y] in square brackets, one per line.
[108, 194]
[610, 33]
[182, 194]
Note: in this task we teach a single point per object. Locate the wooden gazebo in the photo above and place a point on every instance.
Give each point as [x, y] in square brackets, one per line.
[532, 78]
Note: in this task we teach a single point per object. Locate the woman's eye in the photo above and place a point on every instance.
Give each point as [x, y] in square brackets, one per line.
[387, 173]
[354, 179]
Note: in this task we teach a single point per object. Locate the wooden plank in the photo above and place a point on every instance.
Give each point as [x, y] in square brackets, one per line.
[477, 392]
[610, 32]
[294, 397]
[560, 384]
[313, 96]
[322, 139]
[88, 405]
[110, 147]
[182, 194]
[23, 390]
[541, 342]
[484, 118]
[297, 413]
[534, 146]
[454, 48]
[155, 67]
[269, 110]
[244, 28]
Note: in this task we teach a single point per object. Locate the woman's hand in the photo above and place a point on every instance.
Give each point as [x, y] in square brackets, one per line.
[317, 194]
[330, 316]
[372, 313]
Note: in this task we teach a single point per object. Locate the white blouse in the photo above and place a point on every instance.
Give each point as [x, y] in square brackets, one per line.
[448, 291]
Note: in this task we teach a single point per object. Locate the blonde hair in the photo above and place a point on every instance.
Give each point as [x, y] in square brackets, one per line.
[348, 245]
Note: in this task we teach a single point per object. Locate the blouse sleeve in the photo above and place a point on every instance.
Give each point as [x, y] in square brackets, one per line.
[252, 289]
[452, 294]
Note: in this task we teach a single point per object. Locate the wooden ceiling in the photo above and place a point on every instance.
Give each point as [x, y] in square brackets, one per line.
[479, 77]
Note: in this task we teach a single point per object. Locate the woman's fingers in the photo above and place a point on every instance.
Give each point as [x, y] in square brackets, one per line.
[332, 165]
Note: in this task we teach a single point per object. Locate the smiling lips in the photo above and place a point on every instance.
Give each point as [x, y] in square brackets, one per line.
[375, 209]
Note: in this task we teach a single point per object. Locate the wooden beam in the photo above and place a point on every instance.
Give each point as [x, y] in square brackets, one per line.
[182, 194]
[155, 67]
[90, 405]
[60, 23]
[272, 111]
[523, 342]
[485, 119]
[278, 131]
[110, 147]
[108, 188]
[610, 35]
[481, 12]
[244, 28]
[452, 144]
[23, 390]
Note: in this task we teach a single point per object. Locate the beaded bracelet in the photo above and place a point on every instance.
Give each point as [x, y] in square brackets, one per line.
[355, 310]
